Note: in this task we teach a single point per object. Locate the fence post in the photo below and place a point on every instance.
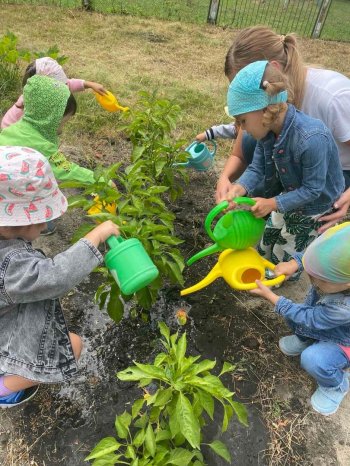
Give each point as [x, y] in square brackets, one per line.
[321, 18]
[213, 11]
[86, 4]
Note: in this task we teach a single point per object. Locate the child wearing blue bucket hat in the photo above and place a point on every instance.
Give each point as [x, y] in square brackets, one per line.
[321, 325]
[296, 158]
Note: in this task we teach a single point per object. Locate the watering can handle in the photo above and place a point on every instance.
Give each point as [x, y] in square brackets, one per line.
[274, 281]
[219, 208]
[114, 241]
[213, 152]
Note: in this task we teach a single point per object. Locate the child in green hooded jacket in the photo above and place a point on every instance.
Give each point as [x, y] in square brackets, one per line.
[48, 105]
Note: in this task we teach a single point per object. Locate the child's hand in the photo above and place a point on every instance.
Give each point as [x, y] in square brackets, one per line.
[96, 87]
[263, 206]
[103, 231]
[265, 292]
[286, 268]
[201, 137]
[235, 191]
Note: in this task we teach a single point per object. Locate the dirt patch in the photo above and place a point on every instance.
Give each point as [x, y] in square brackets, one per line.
[63, 423]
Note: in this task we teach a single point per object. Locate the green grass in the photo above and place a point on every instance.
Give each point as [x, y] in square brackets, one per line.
[282, 15]
[337, 23]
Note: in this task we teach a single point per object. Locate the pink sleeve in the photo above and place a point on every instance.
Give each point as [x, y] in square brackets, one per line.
[76, 85]
[14, 114]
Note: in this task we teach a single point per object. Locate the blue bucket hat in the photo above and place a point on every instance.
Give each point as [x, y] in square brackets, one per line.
[245, 93]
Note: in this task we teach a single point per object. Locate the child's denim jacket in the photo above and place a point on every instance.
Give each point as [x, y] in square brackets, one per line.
[321, 317]
[34, 340]
[302, 163]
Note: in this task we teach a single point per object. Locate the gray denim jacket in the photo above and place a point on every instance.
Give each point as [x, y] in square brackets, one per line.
[34, 340]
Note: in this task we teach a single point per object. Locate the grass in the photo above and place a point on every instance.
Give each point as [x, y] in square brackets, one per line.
[283, 15]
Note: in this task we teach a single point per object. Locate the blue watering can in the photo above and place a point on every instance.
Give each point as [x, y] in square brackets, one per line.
[199, 156]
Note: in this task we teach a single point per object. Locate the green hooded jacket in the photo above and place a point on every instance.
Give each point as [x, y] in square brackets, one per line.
[45, 101]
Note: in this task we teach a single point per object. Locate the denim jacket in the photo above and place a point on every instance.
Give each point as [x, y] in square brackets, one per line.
[324, 318]
[34, 339]
[302, 163]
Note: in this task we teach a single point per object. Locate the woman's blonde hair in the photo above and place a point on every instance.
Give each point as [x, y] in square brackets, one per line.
[261, 43]
[273, 82]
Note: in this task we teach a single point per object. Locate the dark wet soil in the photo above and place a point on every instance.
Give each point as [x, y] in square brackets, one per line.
[64, 423]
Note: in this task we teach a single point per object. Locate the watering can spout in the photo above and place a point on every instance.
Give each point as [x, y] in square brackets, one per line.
[212, 275]
[205, 252]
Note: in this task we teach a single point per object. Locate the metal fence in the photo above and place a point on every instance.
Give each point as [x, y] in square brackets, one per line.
[305, 17]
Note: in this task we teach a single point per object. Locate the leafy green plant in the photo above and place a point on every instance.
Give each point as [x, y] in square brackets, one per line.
[140, 213]
[165, 427]
[153, 120]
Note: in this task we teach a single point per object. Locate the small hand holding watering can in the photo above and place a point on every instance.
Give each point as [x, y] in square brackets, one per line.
[199, 156]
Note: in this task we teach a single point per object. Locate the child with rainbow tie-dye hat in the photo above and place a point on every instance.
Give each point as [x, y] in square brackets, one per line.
[321, 325]
[35, 344]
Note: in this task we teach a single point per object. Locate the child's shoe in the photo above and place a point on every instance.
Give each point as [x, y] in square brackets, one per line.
[17, 398]
[50, 228]
[326, 400]
[292, 345]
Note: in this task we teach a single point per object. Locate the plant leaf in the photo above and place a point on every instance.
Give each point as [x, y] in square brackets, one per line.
[180, 457]
[221, 450]
[227, 367]
[105, 446]
[189, 425]
[150, 440]
[207, 402]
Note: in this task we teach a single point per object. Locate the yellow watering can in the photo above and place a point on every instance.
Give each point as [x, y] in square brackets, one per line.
[240, 269]
[109, 102]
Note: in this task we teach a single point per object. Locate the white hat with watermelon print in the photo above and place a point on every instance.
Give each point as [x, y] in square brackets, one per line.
[29, 193]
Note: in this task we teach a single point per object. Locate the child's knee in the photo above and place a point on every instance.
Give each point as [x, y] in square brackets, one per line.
[310, 359]
[77, 344]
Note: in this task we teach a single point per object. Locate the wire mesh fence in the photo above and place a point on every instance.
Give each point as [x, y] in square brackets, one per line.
[282, 15]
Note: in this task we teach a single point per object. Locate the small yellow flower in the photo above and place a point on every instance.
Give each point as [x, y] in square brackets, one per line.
[97, 207]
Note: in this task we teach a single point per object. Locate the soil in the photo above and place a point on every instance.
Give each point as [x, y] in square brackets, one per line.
[63, 423]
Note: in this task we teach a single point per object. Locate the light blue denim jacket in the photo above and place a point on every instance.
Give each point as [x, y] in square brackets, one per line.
[34, 340]
[323, 317]
[302, 163]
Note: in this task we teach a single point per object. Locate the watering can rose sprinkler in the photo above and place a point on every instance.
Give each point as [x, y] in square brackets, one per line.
[239, 264]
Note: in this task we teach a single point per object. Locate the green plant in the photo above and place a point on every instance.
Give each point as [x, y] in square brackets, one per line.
[165, 427]
[150, 131]
[140, 213]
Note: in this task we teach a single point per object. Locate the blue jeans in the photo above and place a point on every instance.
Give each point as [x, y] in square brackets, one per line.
[325, 362]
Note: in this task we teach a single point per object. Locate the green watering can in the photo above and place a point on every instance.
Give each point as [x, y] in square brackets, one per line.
[237, 229]
[129, 264]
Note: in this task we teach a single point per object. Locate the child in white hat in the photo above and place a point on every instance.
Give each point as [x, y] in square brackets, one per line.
[35, 344]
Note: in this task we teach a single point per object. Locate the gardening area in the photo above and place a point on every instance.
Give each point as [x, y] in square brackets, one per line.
[164, 379]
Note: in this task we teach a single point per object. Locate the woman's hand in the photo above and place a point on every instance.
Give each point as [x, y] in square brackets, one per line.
[96, 87]
[265, 292]
[342, 206]
[286, 268]
[103, 231]
[263, 206]
[201, 137]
